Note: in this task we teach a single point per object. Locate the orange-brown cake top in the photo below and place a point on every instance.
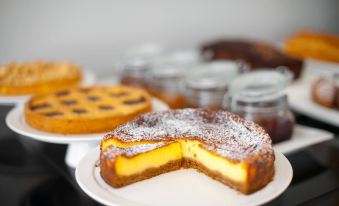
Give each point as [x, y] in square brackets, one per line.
[219, 131]
[30, 73]
[90, 102]
[329, 38]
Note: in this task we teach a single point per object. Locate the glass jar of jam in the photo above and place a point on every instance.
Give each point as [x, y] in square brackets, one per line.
[206, 84]
[133, 72]
[260, 96]
[136, 62]
[164, 82]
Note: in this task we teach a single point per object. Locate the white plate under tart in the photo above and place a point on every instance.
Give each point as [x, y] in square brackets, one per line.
[16, 121]
[303, 137]
[301, 101]
[182, 187]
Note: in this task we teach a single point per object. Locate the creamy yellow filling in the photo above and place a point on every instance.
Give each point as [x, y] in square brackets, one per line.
[105, 144]
[189, 149]
[152, 159]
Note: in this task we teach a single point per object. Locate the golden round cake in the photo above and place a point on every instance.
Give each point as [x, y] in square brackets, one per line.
[312, 44]
[38, 77]
[86, 110]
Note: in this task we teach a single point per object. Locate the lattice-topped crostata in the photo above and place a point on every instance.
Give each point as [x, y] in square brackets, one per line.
[86, 110]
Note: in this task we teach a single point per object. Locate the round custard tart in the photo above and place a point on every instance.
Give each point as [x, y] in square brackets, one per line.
[86, 110]
[222, 145]
[38, 77]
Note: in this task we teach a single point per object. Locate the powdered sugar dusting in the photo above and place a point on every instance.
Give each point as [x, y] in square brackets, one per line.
[220, 131]
[112, 152]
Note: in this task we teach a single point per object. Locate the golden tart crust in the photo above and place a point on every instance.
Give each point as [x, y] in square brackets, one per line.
[38, 77]
[86, 110]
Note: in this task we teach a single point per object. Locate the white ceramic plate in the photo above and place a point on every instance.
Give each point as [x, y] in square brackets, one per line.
[303, 137]
[316, 67]
[183, 187]
[299, 93]
[300, 100]
[16, 121]
[89, 78]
